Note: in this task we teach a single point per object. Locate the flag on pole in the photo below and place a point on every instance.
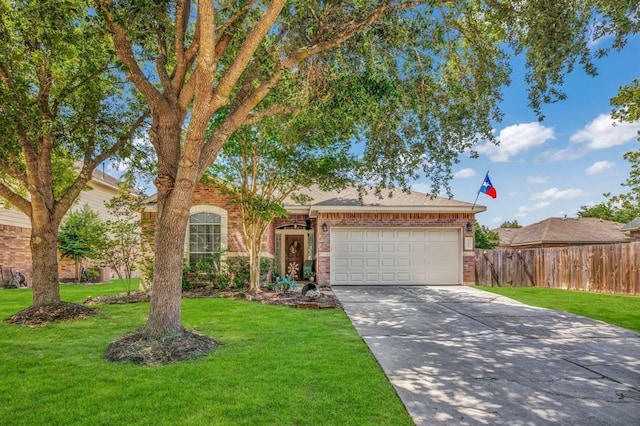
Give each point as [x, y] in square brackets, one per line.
[488, 188]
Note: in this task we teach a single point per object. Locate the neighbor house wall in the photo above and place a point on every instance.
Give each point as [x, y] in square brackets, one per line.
[15, 229]
[394, 220]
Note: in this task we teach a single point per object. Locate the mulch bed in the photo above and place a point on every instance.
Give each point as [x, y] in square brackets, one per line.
[61, 311]
[292, 298]
[139, 348]
[109, 299]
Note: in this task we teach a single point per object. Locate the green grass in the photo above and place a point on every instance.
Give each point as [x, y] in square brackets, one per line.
[277, 366]
[623, 311]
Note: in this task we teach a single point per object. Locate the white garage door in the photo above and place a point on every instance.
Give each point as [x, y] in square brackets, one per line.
[387, 256]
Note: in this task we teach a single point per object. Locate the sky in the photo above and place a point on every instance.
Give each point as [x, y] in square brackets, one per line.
[551, 168]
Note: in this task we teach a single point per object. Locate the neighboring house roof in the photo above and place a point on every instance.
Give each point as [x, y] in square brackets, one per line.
[634, 225]
[506, 235]
[569, 231]
[104, 178]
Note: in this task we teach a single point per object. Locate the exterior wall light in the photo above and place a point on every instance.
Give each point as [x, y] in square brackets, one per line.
[469, 226]
[325, 228]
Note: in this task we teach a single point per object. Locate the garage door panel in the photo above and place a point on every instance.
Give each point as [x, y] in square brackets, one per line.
[395, 256]
[387, 248]
[387, 262]
[388, 277]
[356, 248]
[404, 277]
[355, 262]
[373, 262]
[403, 248]
[403, 262]
[341, 263]
[373, 248]
[357, 277]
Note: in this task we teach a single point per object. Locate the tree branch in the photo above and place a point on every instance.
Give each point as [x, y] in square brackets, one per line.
[253, 118]
[245, 53]
[90, 164]
[125, 54]
[16, 200]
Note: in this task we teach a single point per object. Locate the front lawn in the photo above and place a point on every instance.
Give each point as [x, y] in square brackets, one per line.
[277, 365]
[623, 311]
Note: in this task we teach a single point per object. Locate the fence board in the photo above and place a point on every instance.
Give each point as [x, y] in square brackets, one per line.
[610, 268]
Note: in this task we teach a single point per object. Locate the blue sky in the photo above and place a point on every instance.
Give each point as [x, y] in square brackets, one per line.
[570, 159]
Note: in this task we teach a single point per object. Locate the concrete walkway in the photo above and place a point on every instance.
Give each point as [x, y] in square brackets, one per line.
[459, 355]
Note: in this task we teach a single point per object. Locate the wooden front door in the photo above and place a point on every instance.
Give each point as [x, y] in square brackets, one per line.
[294, 256]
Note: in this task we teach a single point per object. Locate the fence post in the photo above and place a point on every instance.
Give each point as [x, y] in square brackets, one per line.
[494, 275]
[526, 271]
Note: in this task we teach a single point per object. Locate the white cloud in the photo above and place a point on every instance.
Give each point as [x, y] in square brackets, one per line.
[599, 167]
[536, 206]
[497, 219]
[604, 132]
[557, 194]
[565, 154]
[465, 173]
[537, 179]
[516, 139]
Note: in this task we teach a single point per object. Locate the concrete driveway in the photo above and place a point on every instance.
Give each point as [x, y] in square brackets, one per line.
[459, 355]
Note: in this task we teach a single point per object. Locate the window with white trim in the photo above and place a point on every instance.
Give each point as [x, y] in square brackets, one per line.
[204, 237]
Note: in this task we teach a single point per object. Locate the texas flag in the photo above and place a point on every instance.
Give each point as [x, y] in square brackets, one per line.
[488, 188]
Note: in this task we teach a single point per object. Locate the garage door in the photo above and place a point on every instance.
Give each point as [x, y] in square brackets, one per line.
[386, 256]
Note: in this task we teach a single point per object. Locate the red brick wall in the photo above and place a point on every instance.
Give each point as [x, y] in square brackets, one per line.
[379, 220]
[15, 250]
[212, 196]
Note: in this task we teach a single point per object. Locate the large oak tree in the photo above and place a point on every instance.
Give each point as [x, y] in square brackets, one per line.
[235, 62]
[63, 111]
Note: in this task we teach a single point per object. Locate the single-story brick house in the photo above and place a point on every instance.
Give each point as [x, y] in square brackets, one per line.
[400, 240]
[15, 228]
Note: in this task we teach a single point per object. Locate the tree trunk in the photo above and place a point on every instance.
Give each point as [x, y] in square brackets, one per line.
[44, 254]
[254, 265]
[174, 203]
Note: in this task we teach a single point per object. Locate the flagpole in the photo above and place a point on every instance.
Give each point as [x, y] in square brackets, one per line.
[478, 194]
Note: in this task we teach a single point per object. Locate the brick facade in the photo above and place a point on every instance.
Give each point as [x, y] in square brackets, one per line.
[394, 220]
[15, 250]
[210, 195]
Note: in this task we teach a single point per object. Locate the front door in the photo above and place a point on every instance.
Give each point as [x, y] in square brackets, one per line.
[294, 256]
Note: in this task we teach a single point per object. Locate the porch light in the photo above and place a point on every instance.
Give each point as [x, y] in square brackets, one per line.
[469, 226]
[325, 228]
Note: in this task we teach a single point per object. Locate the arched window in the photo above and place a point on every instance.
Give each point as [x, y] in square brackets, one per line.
[204, 237]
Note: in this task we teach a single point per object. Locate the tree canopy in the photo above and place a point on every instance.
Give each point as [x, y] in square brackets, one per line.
[63, 110]
[485, 238]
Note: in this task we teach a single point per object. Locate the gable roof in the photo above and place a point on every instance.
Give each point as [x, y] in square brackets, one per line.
[348, 200]
[555, 230]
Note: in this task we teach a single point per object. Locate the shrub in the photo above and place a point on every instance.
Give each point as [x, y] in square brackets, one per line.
[285, 284]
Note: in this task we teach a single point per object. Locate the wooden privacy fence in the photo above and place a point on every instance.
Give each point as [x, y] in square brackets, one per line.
[606, 268]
